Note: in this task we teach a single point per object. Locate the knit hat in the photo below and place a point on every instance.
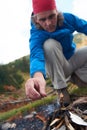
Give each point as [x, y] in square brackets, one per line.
[43, 5]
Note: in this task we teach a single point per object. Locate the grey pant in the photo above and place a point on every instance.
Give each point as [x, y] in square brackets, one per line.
[59, 69]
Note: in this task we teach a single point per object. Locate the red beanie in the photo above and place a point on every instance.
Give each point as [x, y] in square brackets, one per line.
[43, 5]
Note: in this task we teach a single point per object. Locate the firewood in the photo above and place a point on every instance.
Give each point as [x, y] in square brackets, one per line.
[42, 118]
[55, 121]
[67, 123]
[60, 124]
[86, 128]
[78, 112]
[72, 117]
[85, 112]
[80, 101]
[84, 117]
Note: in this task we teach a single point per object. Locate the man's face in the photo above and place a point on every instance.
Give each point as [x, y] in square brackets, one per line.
[47, 20]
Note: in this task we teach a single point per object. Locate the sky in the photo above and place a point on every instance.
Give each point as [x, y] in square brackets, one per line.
[15, 25]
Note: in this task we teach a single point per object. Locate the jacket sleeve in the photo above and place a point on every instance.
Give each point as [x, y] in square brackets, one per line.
[37, 60]
[75, 23]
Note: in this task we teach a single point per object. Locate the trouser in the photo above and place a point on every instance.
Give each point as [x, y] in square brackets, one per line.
[59, 69]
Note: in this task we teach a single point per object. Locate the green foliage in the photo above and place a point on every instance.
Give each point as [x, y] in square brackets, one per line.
[1, 88]
[9, 73]
[3, 74]
[79, 38]
[79, 91]
[18, 78]
[22, 64]
[8, 77]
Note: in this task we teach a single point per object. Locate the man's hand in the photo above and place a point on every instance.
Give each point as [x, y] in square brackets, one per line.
[35, 87]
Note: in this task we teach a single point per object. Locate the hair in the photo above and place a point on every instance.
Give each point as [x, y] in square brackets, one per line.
[60, 20]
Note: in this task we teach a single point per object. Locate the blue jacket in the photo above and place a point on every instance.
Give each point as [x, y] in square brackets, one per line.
[63, 34]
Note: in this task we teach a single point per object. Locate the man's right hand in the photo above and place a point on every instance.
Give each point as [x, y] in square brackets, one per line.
[35, 87]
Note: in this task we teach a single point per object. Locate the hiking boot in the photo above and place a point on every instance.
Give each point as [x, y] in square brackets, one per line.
[63, 97]
[77, 81]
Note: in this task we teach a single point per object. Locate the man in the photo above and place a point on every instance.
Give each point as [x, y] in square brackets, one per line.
[53, 52]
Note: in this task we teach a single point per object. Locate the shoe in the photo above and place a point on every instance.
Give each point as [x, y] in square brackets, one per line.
[77, 81]
[63, 97]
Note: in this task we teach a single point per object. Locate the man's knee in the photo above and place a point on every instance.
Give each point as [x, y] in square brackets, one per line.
[51, 44]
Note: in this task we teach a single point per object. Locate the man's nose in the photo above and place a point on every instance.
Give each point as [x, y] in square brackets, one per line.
[48, 22]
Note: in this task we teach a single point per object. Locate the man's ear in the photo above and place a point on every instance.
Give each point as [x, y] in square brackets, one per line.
[34, 19]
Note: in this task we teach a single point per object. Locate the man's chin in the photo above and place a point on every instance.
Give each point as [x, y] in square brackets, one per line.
[50, 30]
